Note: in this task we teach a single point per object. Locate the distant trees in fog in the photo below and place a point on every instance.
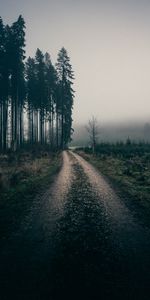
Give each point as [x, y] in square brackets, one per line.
[93, 132]
[36, 97]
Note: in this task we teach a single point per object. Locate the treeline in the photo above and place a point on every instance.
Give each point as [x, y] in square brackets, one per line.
[36, 97]
[126, 149]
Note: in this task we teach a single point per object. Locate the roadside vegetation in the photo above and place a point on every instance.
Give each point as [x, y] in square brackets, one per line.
[23, 176]
[127, 166]
[36, 103]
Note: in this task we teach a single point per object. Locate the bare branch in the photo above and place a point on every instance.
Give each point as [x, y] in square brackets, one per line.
[93, 131]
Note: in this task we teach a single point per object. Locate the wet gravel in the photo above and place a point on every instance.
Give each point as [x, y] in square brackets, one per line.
[79, 241]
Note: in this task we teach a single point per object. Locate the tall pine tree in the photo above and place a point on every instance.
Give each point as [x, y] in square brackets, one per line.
[66, 94]
[35, 94]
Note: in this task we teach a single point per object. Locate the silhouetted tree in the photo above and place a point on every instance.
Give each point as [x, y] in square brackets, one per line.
[51, 89]
[66, 95]
[2, 87]
[17, 56]
[34, 94]
[93, 130]
[32, 105]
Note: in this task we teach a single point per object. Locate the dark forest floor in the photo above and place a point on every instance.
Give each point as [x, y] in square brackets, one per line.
[23, 176]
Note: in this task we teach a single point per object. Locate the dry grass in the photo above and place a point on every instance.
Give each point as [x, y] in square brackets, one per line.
[129, 176]
[22, 177]
[15, 170]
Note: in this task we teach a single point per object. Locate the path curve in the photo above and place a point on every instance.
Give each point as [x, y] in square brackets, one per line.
[78, 241]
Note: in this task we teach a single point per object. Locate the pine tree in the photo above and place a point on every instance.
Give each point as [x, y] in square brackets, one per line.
[32, 105]
[37, 90]
[2, 81]
[51, 86]
[65, 75]
[17, 66]
[41, 90]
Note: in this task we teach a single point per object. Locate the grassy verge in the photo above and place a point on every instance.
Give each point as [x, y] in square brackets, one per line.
[129, 176]
[23, 176]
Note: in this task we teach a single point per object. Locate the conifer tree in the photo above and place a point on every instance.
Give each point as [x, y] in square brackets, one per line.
[32, 105]
[65, 76]
[2, 83]
[35, 94]
[51, 87]
[41, 90]
[17, 68]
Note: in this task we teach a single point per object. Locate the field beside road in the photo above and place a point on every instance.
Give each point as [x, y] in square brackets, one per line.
[127, 168]
[23, 176]
[77, 240]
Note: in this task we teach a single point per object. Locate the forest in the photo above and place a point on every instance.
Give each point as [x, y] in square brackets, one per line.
[36, 97]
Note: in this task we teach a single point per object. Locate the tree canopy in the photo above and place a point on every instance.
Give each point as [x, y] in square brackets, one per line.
[36, 97]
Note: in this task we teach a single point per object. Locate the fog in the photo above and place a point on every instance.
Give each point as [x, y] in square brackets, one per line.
[112, 133]
[109, 46]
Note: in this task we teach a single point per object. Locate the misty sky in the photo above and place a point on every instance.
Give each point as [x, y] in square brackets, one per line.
[109, 46]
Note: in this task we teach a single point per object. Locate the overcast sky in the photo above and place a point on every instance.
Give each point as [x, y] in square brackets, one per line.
[109, 45]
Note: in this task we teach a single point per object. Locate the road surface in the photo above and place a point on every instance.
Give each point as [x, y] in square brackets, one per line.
[79, 241]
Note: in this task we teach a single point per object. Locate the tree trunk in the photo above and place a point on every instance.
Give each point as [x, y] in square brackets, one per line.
[5, 116]
[1, 126]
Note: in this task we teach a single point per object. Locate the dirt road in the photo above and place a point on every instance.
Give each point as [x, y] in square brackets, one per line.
[79, 241]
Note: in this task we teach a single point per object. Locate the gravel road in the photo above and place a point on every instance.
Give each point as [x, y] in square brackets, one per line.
[79, 241]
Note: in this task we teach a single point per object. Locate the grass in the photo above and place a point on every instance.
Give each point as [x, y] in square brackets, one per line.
[23, 176]
[127, 167]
